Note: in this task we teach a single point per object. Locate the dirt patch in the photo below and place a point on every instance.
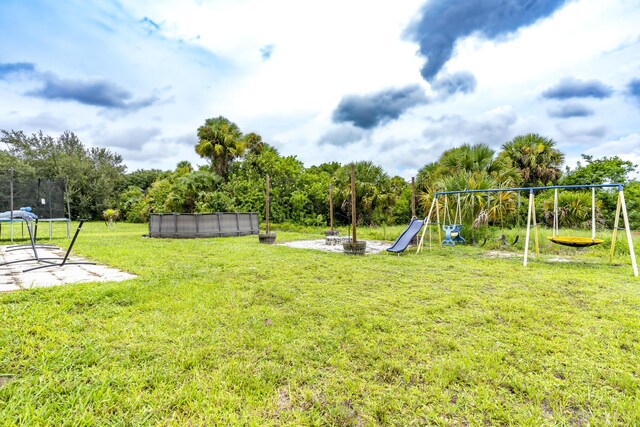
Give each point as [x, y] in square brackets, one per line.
[6, 379]
[500, 254]
[373, 246]
[558, 259]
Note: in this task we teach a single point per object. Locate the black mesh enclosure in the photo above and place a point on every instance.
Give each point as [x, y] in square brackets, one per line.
[25, 192]
[50, 201]
[5, 191]
[17, 190]
[45, 197]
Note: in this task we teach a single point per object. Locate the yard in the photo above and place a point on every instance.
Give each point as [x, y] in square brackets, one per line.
[230, 332]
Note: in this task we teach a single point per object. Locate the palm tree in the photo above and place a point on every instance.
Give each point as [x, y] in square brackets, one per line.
[476, 159]
[220, 141]
[536, 158]
[374, 196]
[253, 143]
[493, 208]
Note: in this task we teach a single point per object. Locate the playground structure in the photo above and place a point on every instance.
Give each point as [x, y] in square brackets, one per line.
[407, 236]
[454, 227]
[47, 198]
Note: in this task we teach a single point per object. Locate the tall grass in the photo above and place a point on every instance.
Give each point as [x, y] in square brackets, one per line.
[230, 332]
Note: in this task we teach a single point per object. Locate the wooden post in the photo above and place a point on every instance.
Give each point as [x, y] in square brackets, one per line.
[614, 235]
[267, 209]
[426, 225]
[593, 213]
[526, 239]
[331, 206]
[535, 226]
[556, 222]
[353, 201]
[413, 197]
[629, 236]
[438, 221]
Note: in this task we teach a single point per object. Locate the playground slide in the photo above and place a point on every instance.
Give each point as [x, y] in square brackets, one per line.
[405, 238]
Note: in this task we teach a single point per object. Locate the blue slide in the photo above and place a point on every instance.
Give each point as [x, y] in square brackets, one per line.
[407, 235]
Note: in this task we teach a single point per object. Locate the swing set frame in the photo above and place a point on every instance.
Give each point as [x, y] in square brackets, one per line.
[621, 207]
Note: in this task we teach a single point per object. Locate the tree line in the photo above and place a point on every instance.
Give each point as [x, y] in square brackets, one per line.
[233, 180]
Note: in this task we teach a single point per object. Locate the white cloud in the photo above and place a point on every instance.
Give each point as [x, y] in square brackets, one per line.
[204, 60]
[626, 147]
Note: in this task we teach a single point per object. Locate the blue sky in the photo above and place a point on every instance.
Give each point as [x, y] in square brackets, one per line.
[331, 80]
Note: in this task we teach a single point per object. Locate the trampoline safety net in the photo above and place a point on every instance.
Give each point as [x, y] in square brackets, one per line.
[45, 197]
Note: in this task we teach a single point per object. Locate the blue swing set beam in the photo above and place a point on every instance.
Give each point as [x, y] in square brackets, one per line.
[531, 189]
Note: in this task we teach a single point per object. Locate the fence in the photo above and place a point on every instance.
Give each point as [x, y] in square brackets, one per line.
[219, 224]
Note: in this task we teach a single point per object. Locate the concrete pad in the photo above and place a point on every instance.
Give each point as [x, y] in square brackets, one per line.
[13, 277]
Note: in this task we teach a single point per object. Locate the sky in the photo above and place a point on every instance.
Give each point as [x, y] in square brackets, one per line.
[396, 83]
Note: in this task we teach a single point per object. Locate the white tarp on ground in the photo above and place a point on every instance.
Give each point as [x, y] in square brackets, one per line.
[13, 277]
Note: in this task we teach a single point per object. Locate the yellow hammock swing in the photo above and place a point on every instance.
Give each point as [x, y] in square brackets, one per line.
[575, 242]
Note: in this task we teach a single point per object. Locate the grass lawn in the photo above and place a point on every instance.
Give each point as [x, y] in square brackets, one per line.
[230, 332]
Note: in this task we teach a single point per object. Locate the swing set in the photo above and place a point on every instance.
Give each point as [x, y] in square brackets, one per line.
[453, 228]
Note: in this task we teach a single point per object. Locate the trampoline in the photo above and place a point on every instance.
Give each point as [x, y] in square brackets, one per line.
[46, 198]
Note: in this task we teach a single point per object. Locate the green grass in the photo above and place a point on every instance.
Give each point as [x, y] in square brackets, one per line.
[230, 332]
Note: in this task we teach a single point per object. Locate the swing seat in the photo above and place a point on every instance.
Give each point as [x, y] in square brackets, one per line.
[575, 242]
[452, 234]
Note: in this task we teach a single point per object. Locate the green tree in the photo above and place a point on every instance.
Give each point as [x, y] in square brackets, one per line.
[253, 143]
[133, 205]
[535, 157]
[471, 158]
[96, 175]
[468, 160]
[143, 178]
[8, 161]
[374, 198]
[220, 141]
[608, 170]
[574, 209]
[632, 197]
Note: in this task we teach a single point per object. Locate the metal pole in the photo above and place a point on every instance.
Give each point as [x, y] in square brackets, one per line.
[634, 265]
[66, 192]
[497, 190]
[353, 201]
